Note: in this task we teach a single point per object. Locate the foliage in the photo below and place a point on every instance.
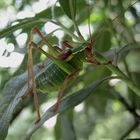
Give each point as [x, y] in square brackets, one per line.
[103, 100]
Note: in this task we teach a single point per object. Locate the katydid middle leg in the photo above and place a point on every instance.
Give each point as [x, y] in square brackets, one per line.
[63, 87]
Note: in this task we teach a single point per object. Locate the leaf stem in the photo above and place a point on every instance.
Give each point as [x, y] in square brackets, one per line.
[73, 19]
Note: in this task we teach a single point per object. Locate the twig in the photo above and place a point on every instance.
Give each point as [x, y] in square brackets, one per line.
[134, 126]
[132, 110]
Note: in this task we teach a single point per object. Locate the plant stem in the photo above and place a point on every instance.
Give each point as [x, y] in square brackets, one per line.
[119, 73]
[73, 18]
[134, 126]
[130, 83]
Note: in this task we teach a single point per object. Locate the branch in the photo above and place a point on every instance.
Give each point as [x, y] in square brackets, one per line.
[132, 110]
[134, 126]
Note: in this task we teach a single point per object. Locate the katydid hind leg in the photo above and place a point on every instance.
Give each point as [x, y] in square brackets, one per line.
[31, 76]
[55, 49]
[29, 72]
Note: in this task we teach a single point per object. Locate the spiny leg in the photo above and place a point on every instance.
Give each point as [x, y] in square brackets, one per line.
[30, 61]
[31, 77]
[54, 48]
[62, 88]
[42, 51]
[60, 52]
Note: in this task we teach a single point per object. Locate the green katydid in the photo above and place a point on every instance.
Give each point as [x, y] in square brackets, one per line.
[61, 68]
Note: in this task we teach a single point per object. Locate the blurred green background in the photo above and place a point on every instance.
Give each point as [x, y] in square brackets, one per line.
[103, 115]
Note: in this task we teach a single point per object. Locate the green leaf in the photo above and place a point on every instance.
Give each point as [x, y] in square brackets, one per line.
[11, 101]
[41, 17]
[103, 43]
[68, 132]
[57, 130]
[135, 99]
[64, 128]
[69, 7]
[68, 102]
[21, 25]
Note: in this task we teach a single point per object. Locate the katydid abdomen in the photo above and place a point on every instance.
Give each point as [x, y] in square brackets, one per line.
[52, 76]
